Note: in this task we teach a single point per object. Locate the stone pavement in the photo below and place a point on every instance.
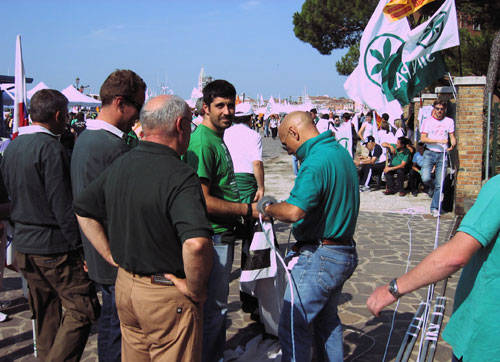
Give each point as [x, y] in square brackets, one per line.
[382, 236]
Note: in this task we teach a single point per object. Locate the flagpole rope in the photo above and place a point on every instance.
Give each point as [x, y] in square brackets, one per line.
[411, 213]
[430, 289]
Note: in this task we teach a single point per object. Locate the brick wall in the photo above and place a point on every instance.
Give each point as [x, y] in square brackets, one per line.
[470, 133]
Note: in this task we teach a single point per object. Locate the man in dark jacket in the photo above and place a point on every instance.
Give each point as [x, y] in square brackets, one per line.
[46, 239]
[122, 96]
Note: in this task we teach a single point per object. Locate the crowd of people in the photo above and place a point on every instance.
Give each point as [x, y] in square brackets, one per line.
[150, 220]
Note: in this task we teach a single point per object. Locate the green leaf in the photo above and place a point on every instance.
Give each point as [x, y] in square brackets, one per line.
[377, 68]
[387, 48]
[375, 53]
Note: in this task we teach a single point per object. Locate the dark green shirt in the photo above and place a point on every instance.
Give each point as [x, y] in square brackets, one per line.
[94, 151]
[36, 173]
[153, 202]
[327, 189]
[402, 155]
[209, 157]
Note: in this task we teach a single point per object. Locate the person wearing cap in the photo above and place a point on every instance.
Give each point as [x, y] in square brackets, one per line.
[209, 157]
[372, 165]
[323, 207]
[245, 147]
[397, 167]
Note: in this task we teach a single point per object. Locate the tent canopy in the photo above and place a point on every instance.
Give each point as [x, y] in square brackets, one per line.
[76, 98]
[36, 88]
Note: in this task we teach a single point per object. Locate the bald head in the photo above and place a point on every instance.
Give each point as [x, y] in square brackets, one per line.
[297, 128]
[159, 114]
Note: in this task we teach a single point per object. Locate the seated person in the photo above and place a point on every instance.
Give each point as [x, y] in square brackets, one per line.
[397, 167]
[414, 178]
[372, 165]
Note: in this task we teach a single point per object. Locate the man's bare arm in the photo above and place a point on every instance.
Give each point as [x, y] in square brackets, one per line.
[197, 255]
[425, 139]
[285, 212]
[258, 170]
[439, 264]
[94, 231]
[220, 207]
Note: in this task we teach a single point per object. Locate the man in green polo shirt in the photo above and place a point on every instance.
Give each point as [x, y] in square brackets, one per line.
[472, 329]
[323, 205]
[210, 158]
[397, 166]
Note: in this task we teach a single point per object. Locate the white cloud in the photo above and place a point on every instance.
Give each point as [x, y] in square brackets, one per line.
[247, 5]
[110, 32]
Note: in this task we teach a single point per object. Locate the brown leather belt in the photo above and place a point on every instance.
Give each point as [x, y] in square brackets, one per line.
[337, 242]
[346, 242]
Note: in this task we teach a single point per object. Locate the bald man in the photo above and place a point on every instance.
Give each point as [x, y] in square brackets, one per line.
[159, 237]
[323, 207]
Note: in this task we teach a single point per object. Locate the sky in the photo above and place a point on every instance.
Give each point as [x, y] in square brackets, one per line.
[249, 43]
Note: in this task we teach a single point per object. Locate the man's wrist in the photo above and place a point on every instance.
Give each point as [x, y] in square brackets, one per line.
[394, 289]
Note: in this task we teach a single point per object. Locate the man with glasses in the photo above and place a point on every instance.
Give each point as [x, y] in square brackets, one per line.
[48, 247]
[122, 95]
[435, 132]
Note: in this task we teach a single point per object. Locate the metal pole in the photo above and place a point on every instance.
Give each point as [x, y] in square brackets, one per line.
[411, 335]
[488, 125]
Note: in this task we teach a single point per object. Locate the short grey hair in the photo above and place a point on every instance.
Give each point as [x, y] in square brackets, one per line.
[163, 117]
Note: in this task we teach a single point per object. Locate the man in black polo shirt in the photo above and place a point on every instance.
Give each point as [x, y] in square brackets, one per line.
[47, 242]
[158, 235]
[122, 96]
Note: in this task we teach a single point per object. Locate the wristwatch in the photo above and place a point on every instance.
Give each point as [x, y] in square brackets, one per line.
[393, 289]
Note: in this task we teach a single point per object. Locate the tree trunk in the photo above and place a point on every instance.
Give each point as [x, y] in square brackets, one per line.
[492, 76]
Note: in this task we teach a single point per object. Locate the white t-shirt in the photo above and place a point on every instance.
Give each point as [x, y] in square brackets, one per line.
[322, 125]
[368, 129]
[244, 145]
[437, 130]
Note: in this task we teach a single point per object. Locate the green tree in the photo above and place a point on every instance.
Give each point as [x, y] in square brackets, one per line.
[348, 62]
[332, 24]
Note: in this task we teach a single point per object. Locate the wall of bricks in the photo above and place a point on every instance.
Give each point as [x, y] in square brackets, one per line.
[470, 133]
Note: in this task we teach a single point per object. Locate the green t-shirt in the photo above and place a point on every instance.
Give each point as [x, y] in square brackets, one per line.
[402, 155]
[472, 330]
[210, 158]
[327, 189]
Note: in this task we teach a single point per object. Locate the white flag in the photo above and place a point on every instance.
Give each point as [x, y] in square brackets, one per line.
[380, 37]
[437, 33]
[20, 114]
[383, 80]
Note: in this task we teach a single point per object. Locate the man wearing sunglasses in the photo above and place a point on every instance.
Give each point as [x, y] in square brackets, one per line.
[435, 132]
[122, 95]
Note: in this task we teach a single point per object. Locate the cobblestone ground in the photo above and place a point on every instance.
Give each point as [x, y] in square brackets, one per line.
[382, 237]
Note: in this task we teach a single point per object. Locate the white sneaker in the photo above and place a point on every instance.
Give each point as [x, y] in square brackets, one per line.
[435, 213]
[3, 317]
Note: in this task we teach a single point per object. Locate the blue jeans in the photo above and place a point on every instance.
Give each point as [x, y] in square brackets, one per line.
[430, 159]
[215, 308]
[109, 337]
[318, 278]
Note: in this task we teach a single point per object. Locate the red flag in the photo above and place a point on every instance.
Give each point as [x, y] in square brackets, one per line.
[20, 114]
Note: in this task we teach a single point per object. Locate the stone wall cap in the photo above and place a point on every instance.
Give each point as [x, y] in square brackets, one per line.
[469, 80]
[444, 89]
[424, 96]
